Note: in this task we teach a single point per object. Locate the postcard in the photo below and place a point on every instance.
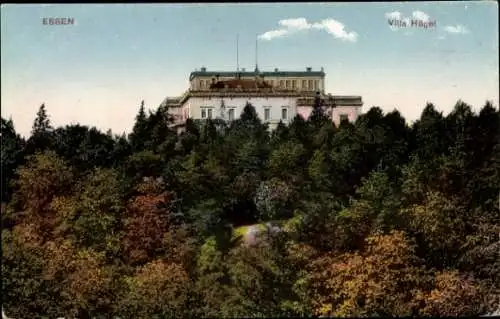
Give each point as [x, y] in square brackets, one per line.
[250, 160]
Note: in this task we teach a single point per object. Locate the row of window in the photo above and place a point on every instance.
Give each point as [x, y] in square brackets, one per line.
[288, 84]
[292, 84]
[205, 84]
[207, 113]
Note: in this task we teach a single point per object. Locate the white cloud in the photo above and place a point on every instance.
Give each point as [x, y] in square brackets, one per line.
[269, 35]
[298, 24]
[458, 29]
[331, 26]
[419, 15]
[337, 29]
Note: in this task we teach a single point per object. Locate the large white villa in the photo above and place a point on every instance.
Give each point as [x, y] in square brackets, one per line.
[277, 96]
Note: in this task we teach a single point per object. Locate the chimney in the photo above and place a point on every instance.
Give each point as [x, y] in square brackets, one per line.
[203, 69]
[322, 69]
[308, 69]
[242, 69]
[276, 70]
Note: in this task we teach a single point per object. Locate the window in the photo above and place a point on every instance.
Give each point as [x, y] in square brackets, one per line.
[316, 85]
[304, 84]
[231, 114]
[206, 112]
[310, 84]
[294, 84]
[282, 84]
[267, 113]
[287, 84]
[284, 113]
[343, 117]
[201, 84]
[271, 82]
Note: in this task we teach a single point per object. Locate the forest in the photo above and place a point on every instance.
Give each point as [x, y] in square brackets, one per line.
[374, 218]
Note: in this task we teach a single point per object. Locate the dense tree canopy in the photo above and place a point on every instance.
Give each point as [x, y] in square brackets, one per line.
[372, 218]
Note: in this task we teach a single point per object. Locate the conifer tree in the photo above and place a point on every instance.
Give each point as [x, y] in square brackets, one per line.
[139, 132]
[41, 133]
[42, 122]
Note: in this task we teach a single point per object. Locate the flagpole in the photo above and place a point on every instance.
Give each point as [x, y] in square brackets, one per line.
[237, 53]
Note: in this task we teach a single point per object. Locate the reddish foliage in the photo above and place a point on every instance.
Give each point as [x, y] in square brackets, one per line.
[146, 226]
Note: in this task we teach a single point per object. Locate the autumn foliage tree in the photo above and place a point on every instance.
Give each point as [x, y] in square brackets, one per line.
[146, 224]
[375, 217]
[382, 279]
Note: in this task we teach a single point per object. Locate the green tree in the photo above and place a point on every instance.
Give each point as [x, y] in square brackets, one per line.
[262, 281]
[288, 162]
[299, 131]
[84, 148]
[44, 177]
[12, 156]
[375, 210]
[439, 224]
[279, 135]
[190, 138]
[212, 279]
[485, 158]
[348, 157]
[395, 148]
[140, 133]
[41, 137]
[429, 139]
[42, 122]
[323, 136]
[160, 139]
[25, 293]
[318, 118]
[99, 212]
[319, 171]
[143, 164]
[158, 289]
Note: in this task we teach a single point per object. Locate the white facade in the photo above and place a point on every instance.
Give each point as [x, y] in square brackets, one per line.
[269, 109]
[274, 99]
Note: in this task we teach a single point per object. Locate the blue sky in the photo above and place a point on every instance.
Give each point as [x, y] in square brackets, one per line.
[97, 71]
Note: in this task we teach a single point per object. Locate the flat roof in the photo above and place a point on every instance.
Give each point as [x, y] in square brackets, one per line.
[253, 73]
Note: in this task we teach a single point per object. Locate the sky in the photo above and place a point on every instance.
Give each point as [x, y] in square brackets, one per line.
[97, 70]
